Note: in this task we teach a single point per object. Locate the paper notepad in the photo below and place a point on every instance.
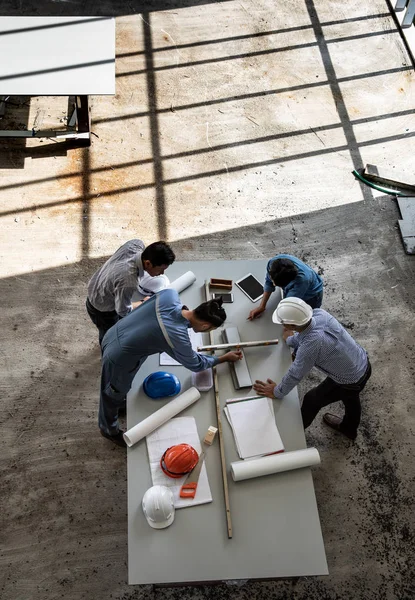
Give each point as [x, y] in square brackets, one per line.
[254, 428]
[196, 339]
[181, 430]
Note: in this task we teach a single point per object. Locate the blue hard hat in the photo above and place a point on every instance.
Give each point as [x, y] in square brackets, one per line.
[161, 384]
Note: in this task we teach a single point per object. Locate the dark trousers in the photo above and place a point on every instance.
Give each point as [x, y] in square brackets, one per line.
[116, 381]
[328, 392]
[103, 320]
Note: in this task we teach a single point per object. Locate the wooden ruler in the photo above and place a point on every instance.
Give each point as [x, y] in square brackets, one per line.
[220, 435]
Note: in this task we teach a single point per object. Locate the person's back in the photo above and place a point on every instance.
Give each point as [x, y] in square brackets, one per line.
[337, 347]
[295, 278]
[307, 284]
[111, 288]
[117, 277]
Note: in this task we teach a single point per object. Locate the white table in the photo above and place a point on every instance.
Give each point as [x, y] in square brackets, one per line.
[57, 56]
[276, 527]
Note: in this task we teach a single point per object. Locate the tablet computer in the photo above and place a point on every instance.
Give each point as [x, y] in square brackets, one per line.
[251, 287]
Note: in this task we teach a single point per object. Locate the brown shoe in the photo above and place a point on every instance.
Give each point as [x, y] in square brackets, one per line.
[335, 422]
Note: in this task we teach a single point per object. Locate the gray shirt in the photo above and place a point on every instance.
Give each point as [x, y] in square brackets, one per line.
[113, 285]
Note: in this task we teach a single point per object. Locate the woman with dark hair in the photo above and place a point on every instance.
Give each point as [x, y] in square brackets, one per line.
[295, 278]
[159, 324]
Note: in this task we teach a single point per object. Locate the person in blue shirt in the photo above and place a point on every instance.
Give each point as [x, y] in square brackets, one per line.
[160, 324]
[296, 280]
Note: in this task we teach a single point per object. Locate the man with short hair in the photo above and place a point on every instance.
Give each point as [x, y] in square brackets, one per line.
[160, 324]
[319, 340]
[111, 288]
[296, 280]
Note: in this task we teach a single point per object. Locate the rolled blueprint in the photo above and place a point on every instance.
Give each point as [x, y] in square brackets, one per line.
[274, 463]
[161, 416]
[183, 282]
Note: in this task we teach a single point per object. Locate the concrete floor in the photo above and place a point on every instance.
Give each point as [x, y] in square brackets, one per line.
[232, 134]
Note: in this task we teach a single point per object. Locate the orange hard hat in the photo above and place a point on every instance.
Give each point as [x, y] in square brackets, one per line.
[179, 460]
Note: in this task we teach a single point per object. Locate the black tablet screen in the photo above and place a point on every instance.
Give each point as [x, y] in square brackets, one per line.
[251, 286]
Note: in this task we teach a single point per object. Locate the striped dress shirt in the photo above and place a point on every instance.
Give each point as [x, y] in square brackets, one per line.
[113, 285]
[325, 344]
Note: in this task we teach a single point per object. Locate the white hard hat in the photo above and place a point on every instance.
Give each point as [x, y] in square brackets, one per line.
[292, 311]
[151, 285]
[158, 506]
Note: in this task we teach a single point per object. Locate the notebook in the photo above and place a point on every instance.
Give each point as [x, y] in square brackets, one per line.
[254, 428]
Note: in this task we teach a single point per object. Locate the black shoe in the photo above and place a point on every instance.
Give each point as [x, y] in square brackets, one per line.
[335, 423]
[117, 438]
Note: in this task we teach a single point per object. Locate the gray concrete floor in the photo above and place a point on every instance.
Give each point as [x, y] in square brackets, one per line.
[232, 134]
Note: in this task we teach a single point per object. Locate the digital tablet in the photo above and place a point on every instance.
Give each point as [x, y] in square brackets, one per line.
[251, 287]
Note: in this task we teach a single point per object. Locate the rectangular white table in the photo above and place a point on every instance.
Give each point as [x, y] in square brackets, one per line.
[57, 56]
[276, 527]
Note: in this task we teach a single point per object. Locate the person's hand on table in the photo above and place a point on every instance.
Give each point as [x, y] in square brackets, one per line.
[255, 313]
[232, 356]
[287, 333]
[265, 389]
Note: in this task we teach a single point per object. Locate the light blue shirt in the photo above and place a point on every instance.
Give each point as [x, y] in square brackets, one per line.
[325, 344]
[306, 285]
[155, 326]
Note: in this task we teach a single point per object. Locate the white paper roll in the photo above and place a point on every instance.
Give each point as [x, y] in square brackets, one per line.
[275, 463]
[183, 282]
[161, 416]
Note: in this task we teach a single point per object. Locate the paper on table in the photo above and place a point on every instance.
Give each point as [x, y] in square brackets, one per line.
[254, 428]
[276, 463]
[177, 431]
[183, 282]
[158, 418]
[225, 410]
[196, 339]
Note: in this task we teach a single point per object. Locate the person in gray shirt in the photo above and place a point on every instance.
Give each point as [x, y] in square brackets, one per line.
[111, 288]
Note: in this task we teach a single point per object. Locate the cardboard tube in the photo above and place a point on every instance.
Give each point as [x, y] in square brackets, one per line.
[183, 282]
[161, 416]
[275, 463]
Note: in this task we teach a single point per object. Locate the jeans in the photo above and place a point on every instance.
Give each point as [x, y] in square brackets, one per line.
[328, 392]
[103, 320]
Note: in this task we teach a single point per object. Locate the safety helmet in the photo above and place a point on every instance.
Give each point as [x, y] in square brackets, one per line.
[179, 460]
[161, 384]
[151, 285]
[158, 506]
[292, 311]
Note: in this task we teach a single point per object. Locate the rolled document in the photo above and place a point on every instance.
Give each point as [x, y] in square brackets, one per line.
[161, 416]
[275, 463]
[183, 282]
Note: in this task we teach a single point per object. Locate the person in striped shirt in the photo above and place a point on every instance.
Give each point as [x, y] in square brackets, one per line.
[111, 288]
[319, 340]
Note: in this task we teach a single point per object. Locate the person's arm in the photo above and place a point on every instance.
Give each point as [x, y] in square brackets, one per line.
[304, 361]
[290, 338]
[183, 352]
[256, 312]
[122, 300]
[139, 302]
[298, 288]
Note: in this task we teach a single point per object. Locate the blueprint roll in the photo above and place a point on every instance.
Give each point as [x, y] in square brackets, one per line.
[275, 463]
[161, 416]
[183, 282]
